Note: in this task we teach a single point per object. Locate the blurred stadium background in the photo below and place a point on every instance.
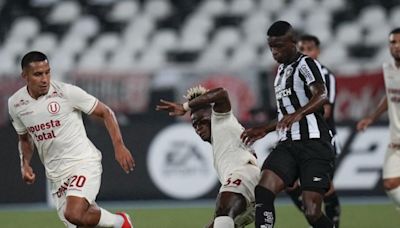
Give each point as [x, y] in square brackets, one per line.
[131, 53]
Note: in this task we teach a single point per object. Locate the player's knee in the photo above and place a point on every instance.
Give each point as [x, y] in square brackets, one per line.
[312, 214]
[231, 210]
[312, 210]
[73, 217]
[390, 184]
[223, 211]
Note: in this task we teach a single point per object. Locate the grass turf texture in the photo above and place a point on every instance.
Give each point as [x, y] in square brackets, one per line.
[353, 216]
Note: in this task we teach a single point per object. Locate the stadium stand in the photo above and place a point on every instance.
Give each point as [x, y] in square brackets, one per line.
[148, 35]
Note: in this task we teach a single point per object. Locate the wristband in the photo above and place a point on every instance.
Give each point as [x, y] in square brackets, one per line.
[186, 106]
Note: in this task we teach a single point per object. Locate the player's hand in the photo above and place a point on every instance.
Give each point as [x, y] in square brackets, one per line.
[287, 121]
[364, 123]
[249, 136]
[174, 109]
[28, 175]
[125, 158]
[295, 185]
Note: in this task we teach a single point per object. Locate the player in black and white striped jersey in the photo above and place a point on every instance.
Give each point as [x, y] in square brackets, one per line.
[310, 45]
[304, 150]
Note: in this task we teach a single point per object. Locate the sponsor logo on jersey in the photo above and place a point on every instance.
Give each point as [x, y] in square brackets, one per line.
[53, 107]
[283, 93]
[307, 73]
[44, 131]
[21, 103]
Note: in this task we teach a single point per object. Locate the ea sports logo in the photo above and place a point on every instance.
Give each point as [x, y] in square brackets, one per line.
[180, 163]
[53, 107]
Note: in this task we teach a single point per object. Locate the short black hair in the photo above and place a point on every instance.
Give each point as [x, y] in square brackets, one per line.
[33, 56]
[395, 31]
[279, 28]
[308, 37]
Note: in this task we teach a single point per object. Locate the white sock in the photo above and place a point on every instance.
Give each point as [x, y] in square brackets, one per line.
[224, 222]
[108, 219]
[394, 194]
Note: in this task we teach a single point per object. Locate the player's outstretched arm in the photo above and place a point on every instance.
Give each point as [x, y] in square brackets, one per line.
[173, 109]
[26, 148]
[217, 96]
[249, 136]
[122, 154]
[318, 99]
[368, 120]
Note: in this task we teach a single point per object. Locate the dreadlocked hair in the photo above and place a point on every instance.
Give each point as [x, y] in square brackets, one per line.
[195, 92]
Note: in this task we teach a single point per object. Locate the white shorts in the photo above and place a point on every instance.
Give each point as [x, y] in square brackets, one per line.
[84, 181]
[243, 181]
[391, 165]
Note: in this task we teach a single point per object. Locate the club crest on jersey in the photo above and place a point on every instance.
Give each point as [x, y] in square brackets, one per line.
[53, 107]
[288, 71]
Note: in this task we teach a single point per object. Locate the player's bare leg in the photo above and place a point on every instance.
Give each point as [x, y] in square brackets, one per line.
[392, 187]
[229, 205]
[331, 202]
[78, 211]
[312, 209]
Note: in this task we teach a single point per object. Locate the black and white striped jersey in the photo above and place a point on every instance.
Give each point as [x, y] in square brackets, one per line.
[292, 92]
[330, 82]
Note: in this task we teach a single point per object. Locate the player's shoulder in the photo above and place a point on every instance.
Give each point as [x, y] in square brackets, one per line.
[59, 85]
[63, 87]
[386, 65]
[18, 95]
[221, 115]
[326, 70]
[305, 60]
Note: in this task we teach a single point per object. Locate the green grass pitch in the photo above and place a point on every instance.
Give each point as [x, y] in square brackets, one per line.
[353, 216]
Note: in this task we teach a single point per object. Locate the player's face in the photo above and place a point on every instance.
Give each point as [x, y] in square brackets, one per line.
[37, 77]
[283, 48]
[201, 121]
[394, 45]
[309, 48]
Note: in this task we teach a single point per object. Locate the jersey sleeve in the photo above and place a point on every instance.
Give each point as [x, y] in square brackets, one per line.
[330, 82]
[331, 88]
[81, 100]
[311, 71]
[16, 122]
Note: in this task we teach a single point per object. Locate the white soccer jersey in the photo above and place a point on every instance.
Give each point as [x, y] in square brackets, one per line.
[230, 153]
[54, 121]
[392, 83]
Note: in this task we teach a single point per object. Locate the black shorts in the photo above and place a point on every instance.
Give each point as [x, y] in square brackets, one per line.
[311, 161]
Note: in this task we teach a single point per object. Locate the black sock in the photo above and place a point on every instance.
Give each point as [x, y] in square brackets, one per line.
[332, 208]
[322, 222]
[265, 210]
[295, 195]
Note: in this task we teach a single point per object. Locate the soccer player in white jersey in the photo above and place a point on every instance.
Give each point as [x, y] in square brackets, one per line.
[47, 115]
[391, 103]
[234, 162]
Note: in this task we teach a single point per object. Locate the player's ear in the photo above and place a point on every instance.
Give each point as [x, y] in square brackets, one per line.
[24, 73]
